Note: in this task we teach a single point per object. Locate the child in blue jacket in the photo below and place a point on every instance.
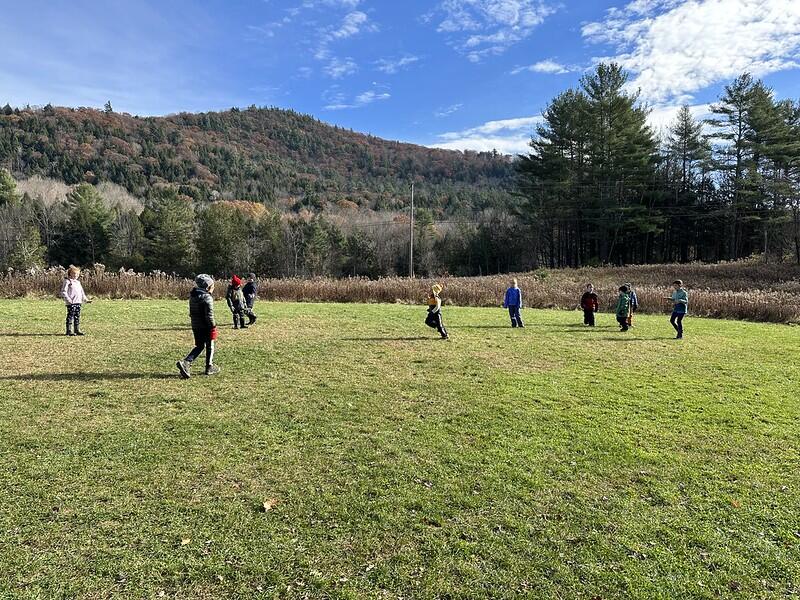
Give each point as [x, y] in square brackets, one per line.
[513, 302]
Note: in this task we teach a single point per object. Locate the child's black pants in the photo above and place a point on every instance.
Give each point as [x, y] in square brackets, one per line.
[434, 321]
[202, 341]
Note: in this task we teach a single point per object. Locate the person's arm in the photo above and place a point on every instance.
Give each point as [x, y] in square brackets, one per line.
[84, 297]
[683, 298]
[520, 298]
[438, 305]
[209, 306]
[505, 299]
[229, 298]
[63, 293]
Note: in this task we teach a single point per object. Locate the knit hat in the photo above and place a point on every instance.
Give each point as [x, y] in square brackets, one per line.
[235, 281]
[203, 281]
[251, 276]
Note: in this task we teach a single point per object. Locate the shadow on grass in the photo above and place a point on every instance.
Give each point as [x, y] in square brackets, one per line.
[86, 376]
[623, 338]
[482, 327]
[166, 328]
[24, 334]
[390, 339]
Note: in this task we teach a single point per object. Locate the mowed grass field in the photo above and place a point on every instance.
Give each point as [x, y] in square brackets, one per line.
[346, 452]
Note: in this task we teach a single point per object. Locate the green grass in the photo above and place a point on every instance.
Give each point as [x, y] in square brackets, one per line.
[550, 462]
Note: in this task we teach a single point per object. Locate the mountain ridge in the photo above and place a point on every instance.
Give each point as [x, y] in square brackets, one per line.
[256, 154]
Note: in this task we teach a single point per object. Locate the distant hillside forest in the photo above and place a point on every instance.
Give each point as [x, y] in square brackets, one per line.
[259, 155]
[285, 195]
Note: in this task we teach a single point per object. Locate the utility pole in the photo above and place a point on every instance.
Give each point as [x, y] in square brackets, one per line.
[411, 248]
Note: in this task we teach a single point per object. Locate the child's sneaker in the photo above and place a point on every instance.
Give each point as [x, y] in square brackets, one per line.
[79, 333]
[184, 368]
[212, 370]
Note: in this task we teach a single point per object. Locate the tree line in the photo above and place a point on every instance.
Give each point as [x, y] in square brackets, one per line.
[599, 186]
[174, 234]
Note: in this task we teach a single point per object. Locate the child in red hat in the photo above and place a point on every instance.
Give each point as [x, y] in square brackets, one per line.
[236, 302]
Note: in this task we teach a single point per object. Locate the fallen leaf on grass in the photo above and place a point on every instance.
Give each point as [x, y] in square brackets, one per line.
[268, 505]
[186, 541]
[735, 503]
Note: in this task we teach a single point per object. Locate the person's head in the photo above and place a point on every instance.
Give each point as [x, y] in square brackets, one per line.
[436, 289]
[678, 284]
[204, 282]
[589, 287]
[251, 277]
[624, 289]
[236, 281]
[514, 282]
[629, 286]
[73, 272]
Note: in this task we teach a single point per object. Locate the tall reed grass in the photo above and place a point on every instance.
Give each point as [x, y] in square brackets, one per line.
[743, 290]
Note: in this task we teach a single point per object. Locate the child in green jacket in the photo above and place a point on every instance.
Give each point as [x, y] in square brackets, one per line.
[680, 306]
[624, 308]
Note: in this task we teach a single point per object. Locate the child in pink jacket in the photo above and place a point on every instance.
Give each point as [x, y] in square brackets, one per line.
[74, 296]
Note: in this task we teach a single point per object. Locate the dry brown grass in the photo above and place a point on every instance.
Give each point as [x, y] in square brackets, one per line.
[743, 290]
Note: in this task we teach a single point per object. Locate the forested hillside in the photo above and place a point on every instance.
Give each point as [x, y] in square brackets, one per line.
[258, 154]
[285, 195]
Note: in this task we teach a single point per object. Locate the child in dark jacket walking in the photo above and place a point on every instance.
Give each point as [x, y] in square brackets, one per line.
[250, 291]
[236, 302]
[204, 328]
[434, 318]
[590, 305]
[513, 302]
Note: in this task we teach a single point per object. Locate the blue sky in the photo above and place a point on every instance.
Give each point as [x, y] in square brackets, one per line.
[462, 74]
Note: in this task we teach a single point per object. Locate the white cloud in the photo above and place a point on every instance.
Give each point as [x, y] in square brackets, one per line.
[340, 67]
[661, 117]
[678, 47]
[448, 110]
[548, 66]
[508, 136]
[351, 24]
[481, 28]
[338, 101]
[392, 66]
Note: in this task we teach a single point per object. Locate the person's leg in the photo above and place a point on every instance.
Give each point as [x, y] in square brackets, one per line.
[77, 319]
[623, 323]
[200, 338]
[679, 324]
[512, 317]
[590, 318]
[70, 318]
[440, 325]
[518, 314]
[586, 317]
[209, 353]
[430, 320]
